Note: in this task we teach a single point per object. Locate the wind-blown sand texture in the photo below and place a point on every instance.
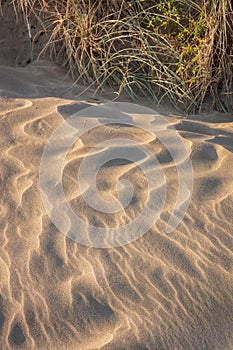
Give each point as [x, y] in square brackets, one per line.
[162, 292]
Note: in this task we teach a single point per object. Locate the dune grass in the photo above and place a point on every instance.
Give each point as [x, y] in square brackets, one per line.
[182, 50]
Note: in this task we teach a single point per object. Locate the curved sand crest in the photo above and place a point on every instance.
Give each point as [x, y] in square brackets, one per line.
[163, 291]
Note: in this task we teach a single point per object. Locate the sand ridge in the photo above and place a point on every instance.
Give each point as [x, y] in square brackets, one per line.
[163, 291]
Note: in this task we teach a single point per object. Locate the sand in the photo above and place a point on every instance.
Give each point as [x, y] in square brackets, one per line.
[163, 291]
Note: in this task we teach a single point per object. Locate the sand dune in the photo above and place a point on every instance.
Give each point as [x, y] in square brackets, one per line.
[164, 291]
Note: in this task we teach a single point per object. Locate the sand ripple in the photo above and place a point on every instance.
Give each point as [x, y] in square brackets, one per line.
[163, 291]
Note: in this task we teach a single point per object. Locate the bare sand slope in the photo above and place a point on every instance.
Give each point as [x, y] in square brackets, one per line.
[162, 292]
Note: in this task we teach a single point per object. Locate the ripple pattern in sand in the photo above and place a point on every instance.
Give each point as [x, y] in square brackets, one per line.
[163, 291]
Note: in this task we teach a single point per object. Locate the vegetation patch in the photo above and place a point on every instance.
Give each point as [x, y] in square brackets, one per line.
[182, 50]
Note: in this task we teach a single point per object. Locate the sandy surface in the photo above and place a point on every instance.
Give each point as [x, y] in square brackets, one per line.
[161, 292]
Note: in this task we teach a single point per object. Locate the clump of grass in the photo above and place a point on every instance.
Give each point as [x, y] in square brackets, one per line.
[179, 49]
[101, 47]
[215, 60]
